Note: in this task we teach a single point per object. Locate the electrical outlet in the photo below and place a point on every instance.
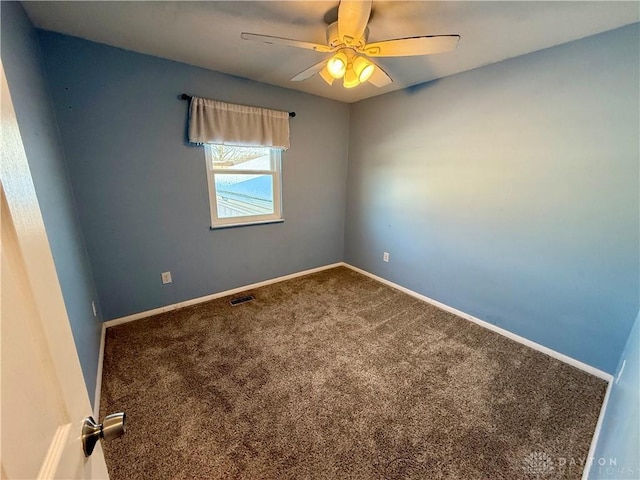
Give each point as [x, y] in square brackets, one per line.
[93, 306]
[166, 278]
[385, 257]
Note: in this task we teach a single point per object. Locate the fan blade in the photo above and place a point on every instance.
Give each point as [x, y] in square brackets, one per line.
[309, 72]
[405, 47]
[353, 16]
[285, 41]
[379, 77]
[326, 76]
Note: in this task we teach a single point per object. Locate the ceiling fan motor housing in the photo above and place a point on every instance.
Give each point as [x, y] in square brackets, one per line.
[333, 39]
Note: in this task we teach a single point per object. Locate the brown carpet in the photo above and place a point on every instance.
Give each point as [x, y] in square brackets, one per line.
[336, 376]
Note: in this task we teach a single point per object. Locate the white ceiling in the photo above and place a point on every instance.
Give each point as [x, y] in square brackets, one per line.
[207, 34]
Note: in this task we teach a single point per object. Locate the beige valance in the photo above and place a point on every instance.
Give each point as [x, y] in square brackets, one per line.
[211, 121]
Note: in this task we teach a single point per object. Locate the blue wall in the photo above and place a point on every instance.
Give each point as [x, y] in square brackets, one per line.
[23, 68]
[618, 451]
[142, 192]
[511, 192]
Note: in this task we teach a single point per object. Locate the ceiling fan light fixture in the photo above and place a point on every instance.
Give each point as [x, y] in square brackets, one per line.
[350, 78]
[363, 68]
[337, 65]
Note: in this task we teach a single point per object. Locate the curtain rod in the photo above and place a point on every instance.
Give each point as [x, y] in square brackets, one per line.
[184, 96]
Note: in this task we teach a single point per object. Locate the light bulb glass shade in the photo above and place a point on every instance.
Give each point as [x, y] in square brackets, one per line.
[350, 78]
[326, 76]
[363, 68]
[337, 65]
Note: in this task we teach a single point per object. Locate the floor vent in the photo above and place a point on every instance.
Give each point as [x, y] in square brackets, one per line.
[239, 300]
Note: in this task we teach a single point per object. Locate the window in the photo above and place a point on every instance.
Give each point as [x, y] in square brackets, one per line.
[244, 185]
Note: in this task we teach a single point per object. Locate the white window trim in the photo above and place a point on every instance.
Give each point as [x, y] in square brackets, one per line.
[276, 175]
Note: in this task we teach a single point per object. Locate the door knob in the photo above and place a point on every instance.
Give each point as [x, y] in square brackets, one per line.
[111, 427]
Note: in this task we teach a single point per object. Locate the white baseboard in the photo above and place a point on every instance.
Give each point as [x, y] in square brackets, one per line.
[596, 434]
[96, 399]
[213, 296]
[529, 343]
[536, 346]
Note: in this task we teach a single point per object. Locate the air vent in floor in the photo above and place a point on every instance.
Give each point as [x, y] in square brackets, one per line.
[239, 300]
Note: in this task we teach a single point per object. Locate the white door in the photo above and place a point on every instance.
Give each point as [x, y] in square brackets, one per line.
[43, 399]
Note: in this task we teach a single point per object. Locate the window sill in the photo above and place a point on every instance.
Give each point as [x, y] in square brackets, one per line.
[248, 224]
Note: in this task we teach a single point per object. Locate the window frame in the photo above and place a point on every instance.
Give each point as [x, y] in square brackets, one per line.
[275, 157]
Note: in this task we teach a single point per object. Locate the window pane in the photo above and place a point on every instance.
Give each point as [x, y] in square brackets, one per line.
[240, 158]
[242, 195]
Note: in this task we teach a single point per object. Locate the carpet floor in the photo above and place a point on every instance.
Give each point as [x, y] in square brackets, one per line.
[336, 376]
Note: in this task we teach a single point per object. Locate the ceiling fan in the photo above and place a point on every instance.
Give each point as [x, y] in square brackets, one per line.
[347, 39]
